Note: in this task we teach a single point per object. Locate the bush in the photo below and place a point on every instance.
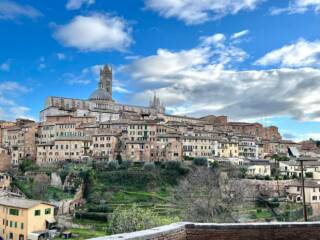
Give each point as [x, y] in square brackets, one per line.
[187, 158]
[285, 177]
[119, 159]
[177, 167]
[98, 216]
[149, 167]
[214, 165]
[200, 161]
[28, 165]
[173, 165]
[113, 165]
[126, 164]
[132, 219]
[309, 175]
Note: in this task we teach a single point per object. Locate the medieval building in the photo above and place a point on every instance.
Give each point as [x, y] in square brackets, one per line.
[100, 103]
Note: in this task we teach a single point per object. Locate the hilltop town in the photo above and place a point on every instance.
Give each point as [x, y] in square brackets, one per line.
[85, 158]
[75, 129]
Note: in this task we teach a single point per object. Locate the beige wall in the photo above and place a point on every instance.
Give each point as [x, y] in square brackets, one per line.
[26, 217]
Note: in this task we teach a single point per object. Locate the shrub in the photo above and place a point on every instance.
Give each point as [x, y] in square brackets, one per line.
[173, 165]
[92, 216]
[309, 175]
[119, 159]
[200, 161]
[126, 164]
[113, 165]
[285, 177]
[214, 165]
[132, 219]
[149, 167]
[187, 158]
[28, 165]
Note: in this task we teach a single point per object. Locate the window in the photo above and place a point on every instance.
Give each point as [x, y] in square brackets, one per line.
[14, 211]
[314, 198]
[11, 224]
[15, 224]
[37, 212]
[22, 226]
[47, 211]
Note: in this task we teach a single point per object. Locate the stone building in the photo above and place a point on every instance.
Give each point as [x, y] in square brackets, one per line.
[228, 147]
[21, 140]
[62, 149]
[168, 147]
[5, 159]
[312, 192]
[248, 147]
[99, 105]
[104, 145]
[197, 146]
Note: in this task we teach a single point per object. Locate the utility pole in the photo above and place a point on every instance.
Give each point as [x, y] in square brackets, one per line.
[301, 160]
[305, 214]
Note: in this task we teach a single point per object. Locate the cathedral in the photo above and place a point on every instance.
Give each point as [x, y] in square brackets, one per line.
[100, 103]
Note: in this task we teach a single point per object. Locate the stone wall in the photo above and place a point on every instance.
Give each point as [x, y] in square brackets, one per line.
[242, 231]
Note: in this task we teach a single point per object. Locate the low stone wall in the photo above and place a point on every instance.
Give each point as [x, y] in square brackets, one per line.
[242, 231]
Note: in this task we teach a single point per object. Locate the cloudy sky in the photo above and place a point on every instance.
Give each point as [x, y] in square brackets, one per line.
[253, 60]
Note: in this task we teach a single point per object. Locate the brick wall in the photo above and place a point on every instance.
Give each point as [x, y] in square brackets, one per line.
[243, 231]
[267, 231]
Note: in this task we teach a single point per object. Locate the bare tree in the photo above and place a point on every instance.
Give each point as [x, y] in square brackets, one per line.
[210, 195]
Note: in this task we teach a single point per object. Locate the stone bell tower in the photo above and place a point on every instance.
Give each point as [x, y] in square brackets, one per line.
[106, 79]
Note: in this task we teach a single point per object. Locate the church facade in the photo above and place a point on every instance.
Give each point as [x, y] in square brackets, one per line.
[100, 103]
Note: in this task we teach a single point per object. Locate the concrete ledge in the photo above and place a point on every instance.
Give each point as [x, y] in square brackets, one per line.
[151, 233]
[237, 231]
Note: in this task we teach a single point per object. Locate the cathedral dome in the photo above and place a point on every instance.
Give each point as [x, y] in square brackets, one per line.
[100, 94]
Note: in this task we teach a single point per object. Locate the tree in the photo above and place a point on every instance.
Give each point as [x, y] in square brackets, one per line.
[133, 219]
[27, 165]
[200, 161]
[119, 158]
[210, 195]
[149, 167]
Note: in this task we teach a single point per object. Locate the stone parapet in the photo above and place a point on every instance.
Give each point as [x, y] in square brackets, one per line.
[237, 231]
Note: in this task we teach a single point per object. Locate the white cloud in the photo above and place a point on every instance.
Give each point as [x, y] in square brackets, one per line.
[211, 49]
[77, 4]
[5, 67]
[196, 12]
[10, 10]
[9, 108]
[42, 66]
[204, 80]
[240, 34]
[298, 7]
[299, 54]
[214, 39]
[61, 56]
[95, 33]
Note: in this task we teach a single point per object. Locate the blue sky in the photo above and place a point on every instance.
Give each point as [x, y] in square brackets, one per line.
[253, 60]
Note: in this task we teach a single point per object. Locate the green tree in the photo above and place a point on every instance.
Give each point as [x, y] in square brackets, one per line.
[200, 161]
[134, 219]
[27, 165]
[149, 167]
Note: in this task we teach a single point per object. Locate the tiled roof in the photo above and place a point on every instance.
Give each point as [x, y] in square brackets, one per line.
[20, 202]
